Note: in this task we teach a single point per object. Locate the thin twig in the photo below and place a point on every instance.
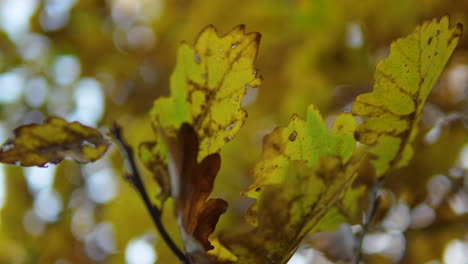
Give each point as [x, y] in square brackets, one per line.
[367, 221]
[137, 182]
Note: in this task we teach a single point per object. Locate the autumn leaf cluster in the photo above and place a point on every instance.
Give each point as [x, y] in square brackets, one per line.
[304, 167]
[216, 165]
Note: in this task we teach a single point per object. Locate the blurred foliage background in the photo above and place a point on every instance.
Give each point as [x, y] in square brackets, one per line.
[104, 61]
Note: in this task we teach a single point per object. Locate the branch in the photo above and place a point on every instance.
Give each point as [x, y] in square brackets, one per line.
[367, 221]
[137, 182]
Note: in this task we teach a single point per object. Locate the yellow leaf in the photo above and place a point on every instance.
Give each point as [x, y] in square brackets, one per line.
[51, 142]
[303, 173]
[302, 140]
[207, 88]
[402, 83]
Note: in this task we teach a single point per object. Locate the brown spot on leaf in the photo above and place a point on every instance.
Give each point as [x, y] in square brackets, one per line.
[357, 136]
[276, 146]
[206, 130]
[292, 136]
[429, 41]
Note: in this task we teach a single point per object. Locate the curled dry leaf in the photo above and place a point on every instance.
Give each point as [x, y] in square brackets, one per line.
[51, 142]
[192, 183]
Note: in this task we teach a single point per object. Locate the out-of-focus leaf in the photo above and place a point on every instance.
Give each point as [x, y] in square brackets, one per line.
[414, 189]
[192, 183]
[428, 244]
[17, 201]
[51, 142]
[288, 211]
[402, 83]
[207, 88]
[302, 140]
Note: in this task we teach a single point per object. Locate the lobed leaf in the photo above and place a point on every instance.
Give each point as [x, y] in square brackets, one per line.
[207, 88]
[192, 183]
[288, 211]
[303, 173]
[403, 82]
[302, 140]
[51, 142]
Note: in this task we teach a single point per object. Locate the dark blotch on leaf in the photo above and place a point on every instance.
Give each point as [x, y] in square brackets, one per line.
[277, 147]
[293, 136]
[357, 136]
[429, 41]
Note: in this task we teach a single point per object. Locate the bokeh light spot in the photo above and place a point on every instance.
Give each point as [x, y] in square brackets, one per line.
[140, 251]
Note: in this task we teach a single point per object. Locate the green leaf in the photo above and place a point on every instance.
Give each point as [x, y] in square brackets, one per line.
[302, 140]
[51, 142]
[207, 88]
[303, 173]
[403, 82]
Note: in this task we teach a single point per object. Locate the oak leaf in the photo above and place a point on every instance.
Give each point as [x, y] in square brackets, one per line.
[302, 140]
[192, 183]
[290, 210]
[51, 142]
[403, 82]
[303, 173]
[207, 87]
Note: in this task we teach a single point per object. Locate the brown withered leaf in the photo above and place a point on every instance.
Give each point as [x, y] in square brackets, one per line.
[191, 184]
[51, 142]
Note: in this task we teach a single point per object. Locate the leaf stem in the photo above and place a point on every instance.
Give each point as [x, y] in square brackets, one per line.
[137, 182]
[369, 216]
